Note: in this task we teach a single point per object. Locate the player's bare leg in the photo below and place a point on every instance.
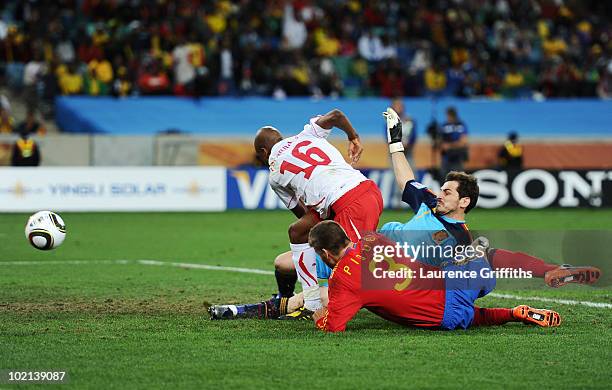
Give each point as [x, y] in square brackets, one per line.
[284, 264]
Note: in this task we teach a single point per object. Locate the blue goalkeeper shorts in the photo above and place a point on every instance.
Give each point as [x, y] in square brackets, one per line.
[461, 293]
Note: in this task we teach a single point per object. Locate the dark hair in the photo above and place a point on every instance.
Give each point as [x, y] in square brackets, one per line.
[328, 235]
[467, 188]
[452, 111]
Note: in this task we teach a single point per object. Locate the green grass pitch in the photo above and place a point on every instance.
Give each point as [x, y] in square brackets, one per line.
[128, 325]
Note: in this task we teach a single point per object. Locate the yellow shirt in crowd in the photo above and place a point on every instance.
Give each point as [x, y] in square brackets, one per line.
[71, 83]
[514, 79]
[554, 46]
[435, 81]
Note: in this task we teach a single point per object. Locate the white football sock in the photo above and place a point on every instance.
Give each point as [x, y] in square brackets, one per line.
[304, 260]
[312, 298]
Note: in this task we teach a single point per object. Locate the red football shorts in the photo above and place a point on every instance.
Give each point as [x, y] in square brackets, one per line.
[359, 210]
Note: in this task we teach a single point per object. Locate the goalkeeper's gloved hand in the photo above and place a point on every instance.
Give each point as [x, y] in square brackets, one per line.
[394, 131]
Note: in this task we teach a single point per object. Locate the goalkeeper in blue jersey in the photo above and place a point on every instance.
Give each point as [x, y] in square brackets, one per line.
[441, 220]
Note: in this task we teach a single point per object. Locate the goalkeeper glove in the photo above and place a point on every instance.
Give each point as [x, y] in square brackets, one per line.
[394, 131]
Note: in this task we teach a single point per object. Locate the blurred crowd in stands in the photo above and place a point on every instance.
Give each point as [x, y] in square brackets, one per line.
[464, 48]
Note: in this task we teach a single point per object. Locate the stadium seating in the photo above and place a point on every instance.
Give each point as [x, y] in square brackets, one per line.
[546, 49]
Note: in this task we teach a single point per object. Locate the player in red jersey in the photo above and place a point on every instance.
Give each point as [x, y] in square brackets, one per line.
[421, 302]
[314, 181]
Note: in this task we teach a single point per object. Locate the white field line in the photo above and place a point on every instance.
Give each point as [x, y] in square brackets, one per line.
[143, 262]
[205, 266]
[599, 305]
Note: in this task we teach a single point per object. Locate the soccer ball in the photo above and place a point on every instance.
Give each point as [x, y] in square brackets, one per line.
[45, 230]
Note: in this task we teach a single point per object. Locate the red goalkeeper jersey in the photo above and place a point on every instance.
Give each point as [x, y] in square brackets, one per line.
[419, 304]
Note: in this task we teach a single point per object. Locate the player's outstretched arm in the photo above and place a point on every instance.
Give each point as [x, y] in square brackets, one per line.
[401, 168]
[336, 118]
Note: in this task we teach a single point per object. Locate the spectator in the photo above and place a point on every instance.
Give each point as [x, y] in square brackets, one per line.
[348, 46]
[6, 121]
[513, 82]
[370, 46]
[359, 73]
[474, 81]
[455, 80]
[389, 49]
[152, 81]
[390, 80]
[91, 85]
[32, 73]
[122, 86]
[184, 68]
[88, 50]
[5, 104]
[65, 49]
[70, 82]
[188, 57]
[454, 142]
[510, 156]
[299, 79]
[421, 59]
[294, 29]
[103, 70]
[559, 48]
[492, 81]
[217, 20]
[25, 152]
[31, 125]
[329, 82]
[49, 88]
[100, 37]
[327, 43]
[226, 85]
[435, 80]
[554, 46]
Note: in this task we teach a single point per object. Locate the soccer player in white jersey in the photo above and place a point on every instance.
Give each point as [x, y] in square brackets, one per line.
[314, 181]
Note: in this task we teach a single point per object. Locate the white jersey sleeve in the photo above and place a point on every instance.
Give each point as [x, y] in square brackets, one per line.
[285, 194]
[312, 129]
